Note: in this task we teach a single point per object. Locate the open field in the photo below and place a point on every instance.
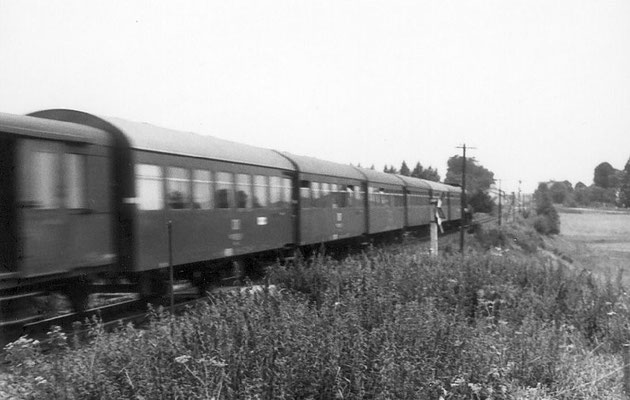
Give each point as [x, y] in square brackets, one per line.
[598, 240]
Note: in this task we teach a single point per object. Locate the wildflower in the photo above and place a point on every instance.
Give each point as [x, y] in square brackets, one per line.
[475, 387]
[212, 361]
[457, 382]
[182, 359]
[40, 381]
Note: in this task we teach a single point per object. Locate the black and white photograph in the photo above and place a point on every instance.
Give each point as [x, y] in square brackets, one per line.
[315, 199]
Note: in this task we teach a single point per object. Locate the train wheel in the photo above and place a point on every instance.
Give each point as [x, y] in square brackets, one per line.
[78, 294]
[152, 284]
[238, 271]
[205, 281]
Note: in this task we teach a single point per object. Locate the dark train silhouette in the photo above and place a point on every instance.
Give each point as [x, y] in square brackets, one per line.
[86, 199]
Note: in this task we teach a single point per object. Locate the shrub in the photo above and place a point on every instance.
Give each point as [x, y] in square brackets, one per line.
[384, 324]
[547, 221]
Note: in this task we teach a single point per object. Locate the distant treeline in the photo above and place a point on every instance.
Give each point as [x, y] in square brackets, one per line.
[478, 179]
[610, 188]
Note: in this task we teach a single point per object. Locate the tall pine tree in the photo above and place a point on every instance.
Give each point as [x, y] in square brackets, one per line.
[404, 169]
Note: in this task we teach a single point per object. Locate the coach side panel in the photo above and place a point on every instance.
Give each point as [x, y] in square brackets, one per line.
[386, 207]
[331, 208]
[216, 209]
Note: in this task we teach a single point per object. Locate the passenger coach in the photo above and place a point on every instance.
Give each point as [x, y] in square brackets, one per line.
[89, 199]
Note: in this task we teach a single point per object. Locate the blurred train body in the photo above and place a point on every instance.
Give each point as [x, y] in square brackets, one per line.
[85, 199]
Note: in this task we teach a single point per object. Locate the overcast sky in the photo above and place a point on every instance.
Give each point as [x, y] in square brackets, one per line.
[540, 88]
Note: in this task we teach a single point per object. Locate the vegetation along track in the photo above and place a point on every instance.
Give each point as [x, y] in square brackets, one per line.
[124, 308]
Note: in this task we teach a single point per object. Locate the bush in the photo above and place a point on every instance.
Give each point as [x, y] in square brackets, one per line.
[385, 324]
[547, 220]
[481, 202]
[546, 225]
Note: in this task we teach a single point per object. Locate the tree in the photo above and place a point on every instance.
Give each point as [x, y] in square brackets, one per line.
[430, 174]
[417, 171]
[605, 176]
[598, 194]
[404, 169]
[390, 169]
[477, 177]
[547, 220]
[568, 185]
[624, 189]
[560, 192]
[580, 186]
[481, 201]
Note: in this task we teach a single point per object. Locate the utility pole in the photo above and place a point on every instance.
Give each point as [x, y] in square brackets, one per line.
[499, 202]
[463, 201]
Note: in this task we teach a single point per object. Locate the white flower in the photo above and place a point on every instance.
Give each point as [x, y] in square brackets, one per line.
[40, 381]
[182, 359]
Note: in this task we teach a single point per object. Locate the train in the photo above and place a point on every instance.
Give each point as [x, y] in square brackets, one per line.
[90, 201]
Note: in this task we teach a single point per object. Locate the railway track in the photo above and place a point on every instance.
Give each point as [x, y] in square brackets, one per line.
[135, 310]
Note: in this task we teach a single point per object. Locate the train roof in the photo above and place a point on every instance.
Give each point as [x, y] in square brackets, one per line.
[415, 183]
[381, 177]
[144, 136]
[442, 187]
[24, 125]
[454, 189]
[310, 165]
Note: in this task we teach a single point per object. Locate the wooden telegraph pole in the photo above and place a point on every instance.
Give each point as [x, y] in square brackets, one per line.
[500, 211]
[463, 199]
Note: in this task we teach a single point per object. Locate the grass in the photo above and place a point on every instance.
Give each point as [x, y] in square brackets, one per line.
[502, 322]
[598, 241]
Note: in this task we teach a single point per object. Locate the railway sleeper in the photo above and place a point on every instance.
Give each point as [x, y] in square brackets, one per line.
[23, 306]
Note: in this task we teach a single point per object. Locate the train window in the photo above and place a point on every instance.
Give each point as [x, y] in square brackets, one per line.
[325, 189]
[384, 197]
[261, 198]
[316, 193]
[305, 193]
[400, 199]
[324, 194]
[373, 196]
[418, 199]
[202, 189]
[286, 185]
[319, 199]
[74, 172]
[334, 195]
[178, 188]
[243, 191]
[149, 187]
[224, 194]
[275, 191]
[426, 199]
[358, 193]
[42, 182]
[349, 195]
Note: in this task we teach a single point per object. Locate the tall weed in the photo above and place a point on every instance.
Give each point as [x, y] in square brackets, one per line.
[384, 324]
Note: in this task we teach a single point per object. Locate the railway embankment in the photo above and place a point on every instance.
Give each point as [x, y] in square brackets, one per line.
[514, 317]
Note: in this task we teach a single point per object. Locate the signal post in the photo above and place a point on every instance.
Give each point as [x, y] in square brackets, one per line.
[436, 222]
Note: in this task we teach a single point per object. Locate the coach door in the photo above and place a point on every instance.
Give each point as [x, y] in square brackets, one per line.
[8, 234]
[42, 219]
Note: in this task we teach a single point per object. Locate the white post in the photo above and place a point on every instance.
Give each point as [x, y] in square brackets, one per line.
[434, 229]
